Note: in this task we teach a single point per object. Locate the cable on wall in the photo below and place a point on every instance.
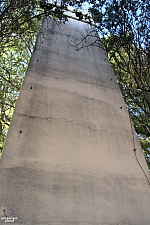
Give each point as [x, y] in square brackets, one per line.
[134, 149]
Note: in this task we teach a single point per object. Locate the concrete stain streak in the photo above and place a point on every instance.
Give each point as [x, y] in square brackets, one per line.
[84, 126]
[63, 78]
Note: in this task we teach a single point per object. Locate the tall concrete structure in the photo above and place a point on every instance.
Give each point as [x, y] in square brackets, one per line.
[68, 157]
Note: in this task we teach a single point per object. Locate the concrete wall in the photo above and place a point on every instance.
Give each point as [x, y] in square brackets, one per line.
[73, 161]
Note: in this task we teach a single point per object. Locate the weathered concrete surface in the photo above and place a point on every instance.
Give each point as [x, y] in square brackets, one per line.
[73, 163]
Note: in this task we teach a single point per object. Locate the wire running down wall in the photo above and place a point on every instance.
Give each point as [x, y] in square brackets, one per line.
[69, 156]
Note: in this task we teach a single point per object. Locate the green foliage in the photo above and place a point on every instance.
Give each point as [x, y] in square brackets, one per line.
[19, 26]
[96, 15]
[13, 63]
[131, 66]
[55, 10]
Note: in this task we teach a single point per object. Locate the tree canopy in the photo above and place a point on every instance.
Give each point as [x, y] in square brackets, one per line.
[19, 24]
[122, 26]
